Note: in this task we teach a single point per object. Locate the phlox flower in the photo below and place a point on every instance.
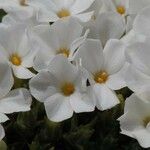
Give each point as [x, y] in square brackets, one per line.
[53, 10]
[105, 68]
[63, 37]
[135, 122]
[15, 50]
[62, 88]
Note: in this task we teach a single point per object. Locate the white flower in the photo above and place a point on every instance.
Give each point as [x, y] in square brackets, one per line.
[138, 73]
[119, 6]
[63, 37]
[105, 69]
[15, 50]
[136, 120]
[17, 8]
[108, 25]
[63, 90]
[52, 10]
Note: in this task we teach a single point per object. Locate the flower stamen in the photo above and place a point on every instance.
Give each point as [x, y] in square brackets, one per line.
[63, 13]
[146, 120]
[67, 89]
[64, 51]
[121, 10]
[15, 59]
[23, 3]
[101, 77]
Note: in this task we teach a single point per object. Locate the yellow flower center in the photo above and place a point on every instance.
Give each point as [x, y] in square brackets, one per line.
[67, 89]
[93, 17]
[121, 10]
[101, 77]
[15, 59]
[23, 3]
[146, 120]
[64, 51]
[63, 13]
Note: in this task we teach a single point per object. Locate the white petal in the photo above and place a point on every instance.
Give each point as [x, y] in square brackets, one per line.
[46, 16]
[80, 6]
[62, 69]
[133, 104]
[22, 72]
[27, 61]
[16, 32]
[6, 79]
[77, 43]
[3, 118]
[114, 56]
[45, 38]
[84, 17]
[2, 132]
[138, 56]
[137, 5]
[141, 23]
[17, 100]
[108, 25]
[58, 108]
[106, 98]
[117, 81]
[144, 93]
[82, 102]
[41, 61]
[131, 37]
[130, 122]
[68, 30]
[136, 80]
[91, 55]
[43, 85]
[143, 137]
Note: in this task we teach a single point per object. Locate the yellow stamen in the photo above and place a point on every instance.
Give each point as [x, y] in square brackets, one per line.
[101, 77]
[63, 13]
[67, 89]
[121, 10]
[23, 3]
[93, 17]
[64, 51]
[15, 59]
[146, 120]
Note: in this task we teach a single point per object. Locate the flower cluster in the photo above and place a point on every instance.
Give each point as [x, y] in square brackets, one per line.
[75, 55]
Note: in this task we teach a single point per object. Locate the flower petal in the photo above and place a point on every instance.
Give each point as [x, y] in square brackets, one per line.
[136, 80]
[80, 6]
[43, 85]
[114, 56]
[82, 102]
[58, 108]
[91, 55]
[22, 72]
[2, 132]
[106, 98]
[17, 100]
